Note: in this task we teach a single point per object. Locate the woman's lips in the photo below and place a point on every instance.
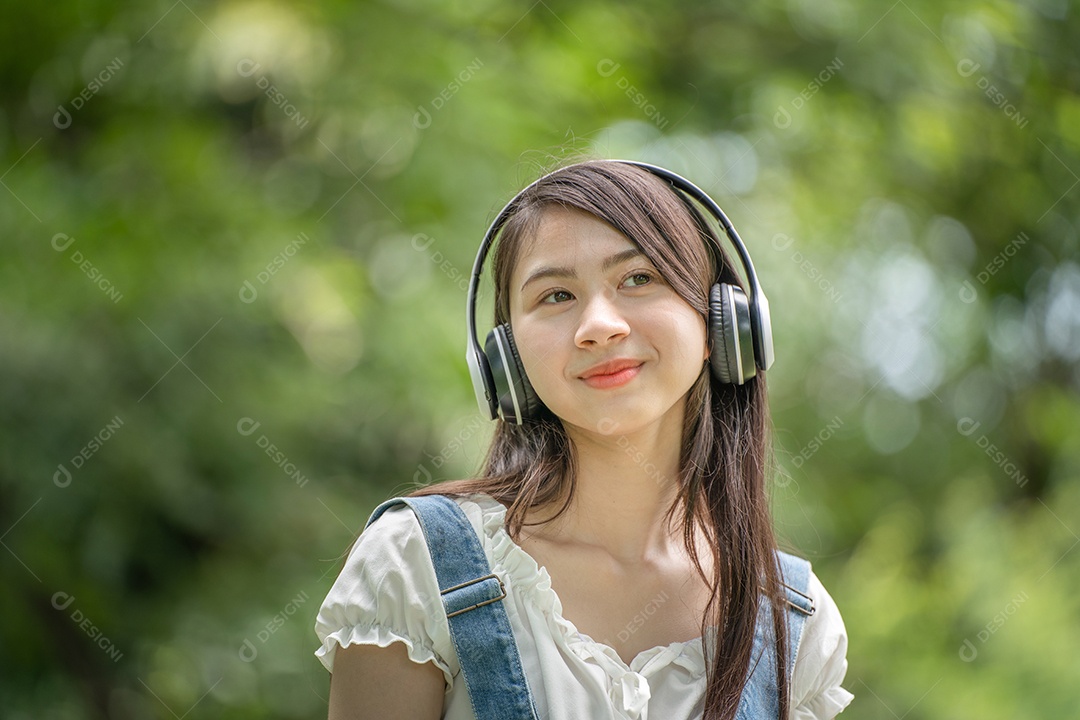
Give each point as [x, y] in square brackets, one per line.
[603, 382]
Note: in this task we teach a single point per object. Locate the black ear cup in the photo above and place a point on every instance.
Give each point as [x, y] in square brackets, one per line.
[731, 335]
[516, 399]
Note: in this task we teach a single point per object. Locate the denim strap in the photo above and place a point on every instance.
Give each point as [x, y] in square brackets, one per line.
[481, 631]
[761, 697]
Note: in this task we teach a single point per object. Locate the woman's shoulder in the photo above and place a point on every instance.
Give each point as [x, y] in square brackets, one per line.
[821, 659]
[484, 512]
[825, 625]
[391, 557]
[394, 542]
[400, 519]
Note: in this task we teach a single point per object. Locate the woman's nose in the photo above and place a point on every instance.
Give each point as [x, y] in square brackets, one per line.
[601, 320]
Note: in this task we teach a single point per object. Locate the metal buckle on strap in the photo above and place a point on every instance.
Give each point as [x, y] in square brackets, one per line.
[800, 608]
[502, 593]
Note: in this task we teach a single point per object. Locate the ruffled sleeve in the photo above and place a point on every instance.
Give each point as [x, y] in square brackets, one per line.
[821, 661]
[387, 592]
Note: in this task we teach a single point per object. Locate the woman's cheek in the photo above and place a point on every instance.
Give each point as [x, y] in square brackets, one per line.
[538, 367]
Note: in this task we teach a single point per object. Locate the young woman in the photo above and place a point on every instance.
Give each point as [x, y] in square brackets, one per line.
[623, 507]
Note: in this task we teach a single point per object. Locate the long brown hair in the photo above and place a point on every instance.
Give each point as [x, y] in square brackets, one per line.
[725, 436]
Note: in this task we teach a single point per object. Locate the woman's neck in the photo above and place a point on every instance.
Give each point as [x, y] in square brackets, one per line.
[625, 484]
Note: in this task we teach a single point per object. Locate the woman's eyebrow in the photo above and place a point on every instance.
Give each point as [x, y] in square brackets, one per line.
[549, 271]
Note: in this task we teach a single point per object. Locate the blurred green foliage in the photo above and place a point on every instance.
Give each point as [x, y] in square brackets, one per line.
[231, 303]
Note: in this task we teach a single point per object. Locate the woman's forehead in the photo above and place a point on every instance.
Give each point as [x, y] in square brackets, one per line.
[569, 235]
[566, 241]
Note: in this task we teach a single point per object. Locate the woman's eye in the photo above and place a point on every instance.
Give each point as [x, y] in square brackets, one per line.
[638, 279]
[557, 296]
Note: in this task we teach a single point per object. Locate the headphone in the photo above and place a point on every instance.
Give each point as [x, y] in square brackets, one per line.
[740, 329]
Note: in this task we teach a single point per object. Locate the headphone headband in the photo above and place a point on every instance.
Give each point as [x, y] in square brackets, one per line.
[759, 318]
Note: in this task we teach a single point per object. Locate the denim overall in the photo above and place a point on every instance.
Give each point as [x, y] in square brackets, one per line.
[484, 640]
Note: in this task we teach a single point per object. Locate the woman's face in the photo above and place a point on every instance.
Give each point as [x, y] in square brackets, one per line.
[584, 300]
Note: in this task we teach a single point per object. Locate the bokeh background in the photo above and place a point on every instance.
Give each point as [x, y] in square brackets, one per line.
[235, 241]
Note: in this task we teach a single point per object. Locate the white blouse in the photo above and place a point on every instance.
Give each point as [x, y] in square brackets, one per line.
[387, 592]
